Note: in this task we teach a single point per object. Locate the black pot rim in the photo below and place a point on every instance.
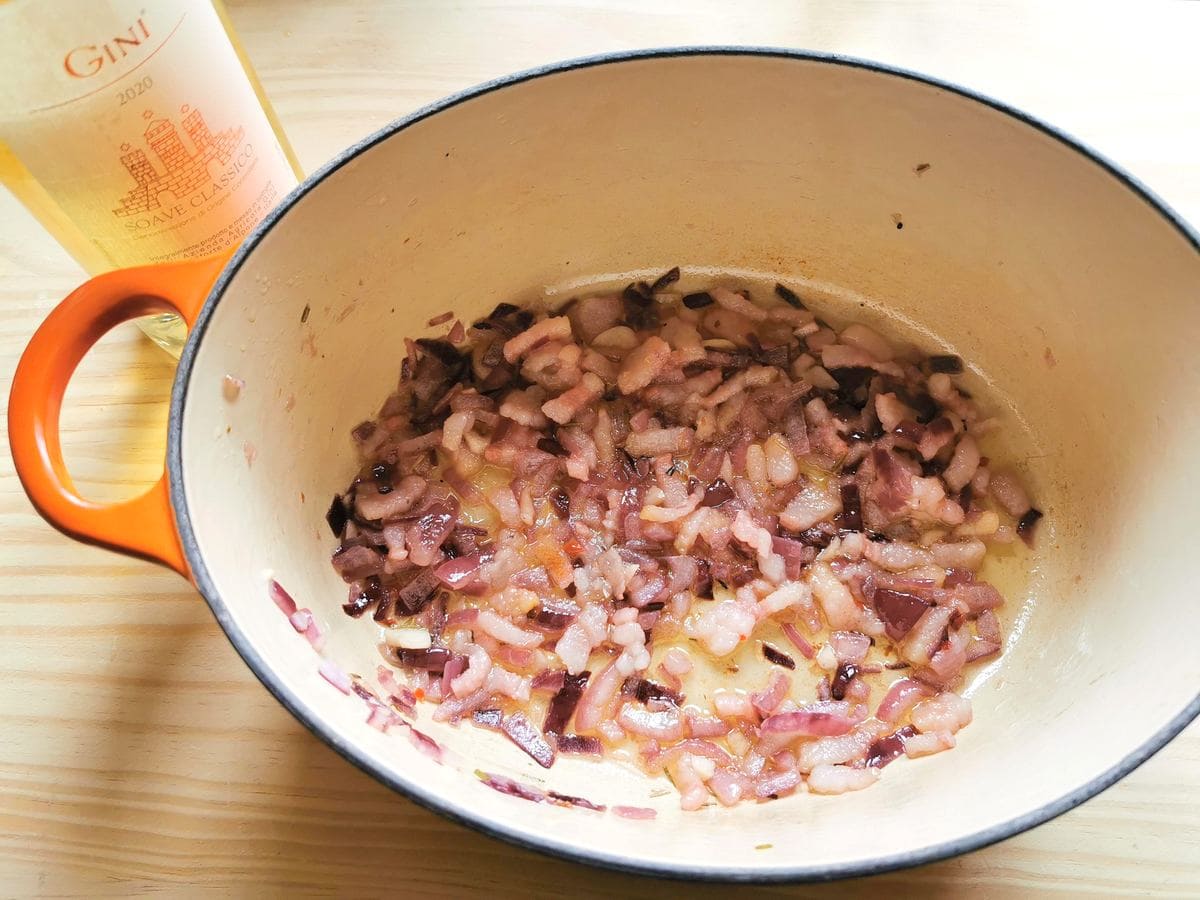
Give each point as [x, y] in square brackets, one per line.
[566, 849]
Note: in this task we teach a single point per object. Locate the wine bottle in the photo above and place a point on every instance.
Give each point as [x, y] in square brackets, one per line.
[136, 132]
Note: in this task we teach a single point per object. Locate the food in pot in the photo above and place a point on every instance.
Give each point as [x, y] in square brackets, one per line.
[704, 532]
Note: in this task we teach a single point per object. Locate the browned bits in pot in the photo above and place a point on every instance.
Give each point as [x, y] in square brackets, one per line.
[950, 364]
[788, 296]
[778, 657]
[665, 280]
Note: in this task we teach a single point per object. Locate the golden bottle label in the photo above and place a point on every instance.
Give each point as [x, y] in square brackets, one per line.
[139, 121]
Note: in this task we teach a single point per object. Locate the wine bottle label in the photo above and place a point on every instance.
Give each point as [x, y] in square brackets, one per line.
[139, 121]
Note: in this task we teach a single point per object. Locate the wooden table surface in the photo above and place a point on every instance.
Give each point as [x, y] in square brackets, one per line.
[137, 752]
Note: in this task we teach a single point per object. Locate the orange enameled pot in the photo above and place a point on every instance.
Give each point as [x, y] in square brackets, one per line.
[949, 218]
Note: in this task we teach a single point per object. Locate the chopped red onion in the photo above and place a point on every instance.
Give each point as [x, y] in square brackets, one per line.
[717, 493]
[357, 562]
[978, 596]
[433, 525]
[550, 681]
[380, 719]
[922, 641]
[415, 595]
[778, 657]
[768, 700]
[424, 743]
[453, 667]
[512, 788]
[850, 518]
[587, 490]
[987, 626]
[889, 748]
[899, 610]
[634, 812]
[555, 615]
[432, 659]
[487, 718]
[705, 726]
[955, 577]
[647, 691]
[1009, 494]
[793, 634]
[562, 705]
[281, 598]
[820, 719]
[902, 696]
[522, 733]
[458, 573]
[841, 681]
[597, 696]
[300, 620]
[694, 747]
[335, 675]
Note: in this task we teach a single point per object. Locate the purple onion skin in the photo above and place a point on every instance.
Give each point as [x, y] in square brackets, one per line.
[583, 744]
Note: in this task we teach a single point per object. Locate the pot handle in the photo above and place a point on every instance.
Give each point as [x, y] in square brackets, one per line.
[144, 526]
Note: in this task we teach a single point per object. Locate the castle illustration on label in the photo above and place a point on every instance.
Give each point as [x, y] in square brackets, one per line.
[184, 171]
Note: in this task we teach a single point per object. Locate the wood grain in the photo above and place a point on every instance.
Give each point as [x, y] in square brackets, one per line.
[139, 755]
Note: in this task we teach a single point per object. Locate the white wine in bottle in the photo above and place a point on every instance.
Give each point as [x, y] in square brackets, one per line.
[136, 132]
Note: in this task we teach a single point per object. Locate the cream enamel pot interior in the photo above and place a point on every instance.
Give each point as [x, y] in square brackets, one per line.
[1070, 291]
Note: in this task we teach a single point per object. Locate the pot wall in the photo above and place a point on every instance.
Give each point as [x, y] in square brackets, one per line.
[1069, 295]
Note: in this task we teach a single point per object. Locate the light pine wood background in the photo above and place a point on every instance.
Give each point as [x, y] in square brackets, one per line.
[139, 755]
